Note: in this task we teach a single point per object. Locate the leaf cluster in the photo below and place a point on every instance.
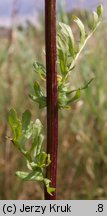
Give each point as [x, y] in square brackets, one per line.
[68, 53]
[24, 131]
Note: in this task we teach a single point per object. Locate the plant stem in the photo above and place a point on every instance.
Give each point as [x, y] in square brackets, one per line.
[52, 101]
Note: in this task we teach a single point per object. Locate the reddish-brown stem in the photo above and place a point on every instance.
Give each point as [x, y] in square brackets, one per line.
[52, 102]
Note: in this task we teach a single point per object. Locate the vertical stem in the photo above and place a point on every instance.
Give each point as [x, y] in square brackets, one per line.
[52, 102]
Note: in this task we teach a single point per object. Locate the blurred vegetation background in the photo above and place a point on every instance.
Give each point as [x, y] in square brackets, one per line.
[82, 158]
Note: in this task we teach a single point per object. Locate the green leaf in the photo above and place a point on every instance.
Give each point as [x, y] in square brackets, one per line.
[37, 128]
[97, 16]
[15, 125]
[67, 31]
[50, 190]
[41, 159]
[96, 19]
[37, 139]
[40, 142]
[63, 88]
[76, 96]
[40, 69]
[29, 166]
[62, 95]
[35, 175]
[42, 102]
[63, 62]
[62, 47]
[47, 182]
[48, 160]
[22, 175]
[81, 88]
[100, 10]
[62, 100]
[37, 90]
[26, 118]
[28, 132]
[82, 29]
